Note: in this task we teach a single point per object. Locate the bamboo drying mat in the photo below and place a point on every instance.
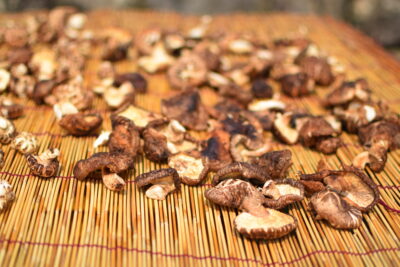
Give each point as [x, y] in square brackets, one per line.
[62, 221]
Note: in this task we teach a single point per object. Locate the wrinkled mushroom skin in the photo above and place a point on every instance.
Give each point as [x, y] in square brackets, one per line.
[43, 166]
[348, 91]
[275, 163]
[296, 85]
[155, 145]
[386, 131]
[241, 170]
[191, 167]
[261, 89]
[124, 137]
[216, 150]
[236, 93]
[243, 150]
[136, 79]
[11, 111]
[42, 89]
[161, 182]
[317, 69]
[328, 145]
[282, 192]
[331, 207]
[81, 124]
[312, 187]
[274, 224]
[113, 162]
[188, 71]
[186, 108]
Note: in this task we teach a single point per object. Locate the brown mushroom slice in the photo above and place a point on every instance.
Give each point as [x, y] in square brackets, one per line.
[189, 71]
[270, 224]
[281, 193]
[112, 180]
[282, 129]
[161, 182]
[191, 168]
[355, 187]
[216, 150]
[81, 124]
[124, 137]
[159, 60]
[10, 110]
[236, 193]
[243, 150]
[261, 89]
[7, 130]
[147, 39]
[276, 163]
[241, 170]
[44, 165]
[317, 69]
[139, 116]
[138, 82]
[296, 85]
[331, 207]
[382, 133]
[186, 108]
[349, 91]
[155, 145]
[312, 187]
[236, 93]
[115, 97]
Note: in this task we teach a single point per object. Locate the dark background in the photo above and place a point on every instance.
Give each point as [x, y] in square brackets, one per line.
[377, 18]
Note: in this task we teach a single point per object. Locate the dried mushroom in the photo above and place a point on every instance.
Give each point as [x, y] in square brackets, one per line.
[5, 78]
[10, 110]
[264, 105]
[158, 60]
[281, 193]
[331, 207]
[275, 163]
[261, 89]
[102, 139]
[7, 131]
[110, 165]
[192, 169]
[189, 71]
[296, 85]
[124, 137]
[73, 93]
[1, 158]
[243, 149]
[138, 82]
[186, 108]
[317, 69]
[139, 116]
[64, 108]
[161, 183]
[42, 89]
[349, 91]
[117, 42]
[44, 165]
[7, 195]
[25, 143]
[283, 130]
[147, 39]
[241, 170]
[115, 97]
[155, 145]
[216, 150]
[81, 124]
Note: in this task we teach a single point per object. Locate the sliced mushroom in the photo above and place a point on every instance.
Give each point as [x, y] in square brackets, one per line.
[116, 43]
[159, 60]
[261, 89]
[241, 170]
[116, 97]
[72, 92]
[281, 193]
[236, 93]
[162, 182]
[270, 104]
[216, 150]
[7, 131]
[189, 71]
[139, 116]
[331, 207]
[10, 110]
[81, 124]
[317, 69]
[102, 139]
[124, 137]
[312, 187]
[186, 108]
[7, 195]
[282, 128]
[5, 78]
[147, 39]
[275, 163]
[155, 145]
[244, 150]
[349, 91]
[192, 169]
[296, 85]
[25, 143]
[138, 82]
[44, 165]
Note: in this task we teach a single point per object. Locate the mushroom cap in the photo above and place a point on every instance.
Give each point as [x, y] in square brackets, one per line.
[113, 162]
[241, 170]
[216, 150]
[348, 91]
[235, 193]
[236, 93]
[276, 163]
[139, 116]
[192, 169]
[80, 123]
[159, 176]
[155, 145]
[311, 187]
[313, 129]
[186, 108]
[354, 186]
[124, 137]
[282, 128]
[7, 195]
[45, 165]
[7, 130]
[296, 85]
[385, 132]
[282, 192]
[11, 110]
[136, 79]
[261, 89]
[331, 207]
[318, 69]
[273, 224]
[244, 150]
[328, 145]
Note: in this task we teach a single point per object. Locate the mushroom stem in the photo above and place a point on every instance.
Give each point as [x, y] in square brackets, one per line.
[160, 191]
[113, 181]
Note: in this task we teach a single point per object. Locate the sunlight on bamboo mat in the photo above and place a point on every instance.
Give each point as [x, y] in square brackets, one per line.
[62, 221]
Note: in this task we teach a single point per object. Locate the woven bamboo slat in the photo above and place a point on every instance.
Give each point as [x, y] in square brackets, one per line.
[62, 221]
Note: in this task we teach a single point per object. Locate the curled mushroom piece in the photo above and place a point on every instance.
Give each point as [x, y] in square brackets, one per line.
[44, 165]
[186, 108]
[261, 89]
[10, 110]
[102, 139]
[241, 170]
[216, 150]
[189, 71]
[283, 129]
[275, 163]
[138, 82]
[1, 158]
[244, 150]
[282, 192]
[296, 85]
[139, 116]
[155, 145]
[331, 207]
[349, 91]
[162, 182]
[115, 97]
[110, 164]
[7, 195]
[25, 143]
[81, 124]
[117, 42]
[147, 39]
[7, 131]
[124, 137]
[318, 69]
[158, 60]
[191, 167]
